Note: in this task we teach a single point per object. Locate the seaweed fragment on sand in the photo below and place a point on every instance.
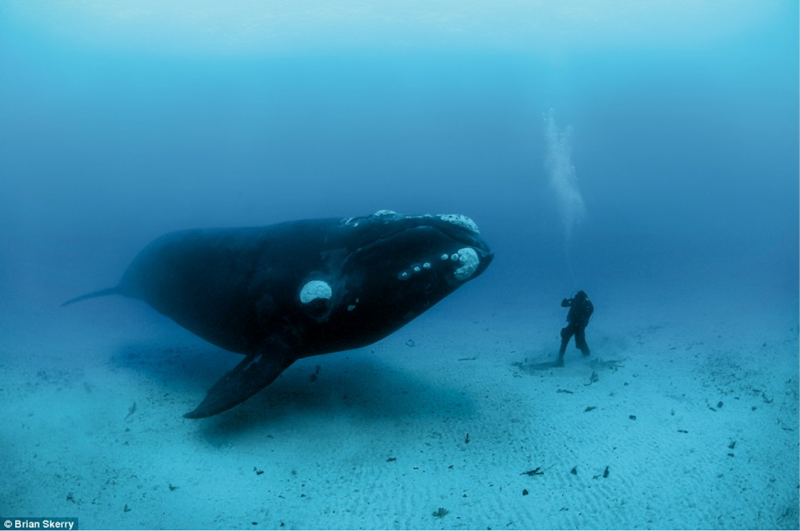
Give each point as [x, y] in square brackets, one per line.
[538, 471]
[441, 512]
[614, 365]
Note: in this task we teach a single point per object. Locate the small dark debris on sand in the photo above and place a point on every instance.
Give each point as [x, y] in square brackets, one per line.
[441, 512]
[614, 365]
[131, 410]
[538, 471]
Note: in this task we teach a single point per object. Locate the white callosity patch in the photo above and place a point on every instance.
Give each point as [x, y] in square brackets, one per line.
[379, 214]
[416, 269]
[315, 289]
[461, 221]
[469, 263]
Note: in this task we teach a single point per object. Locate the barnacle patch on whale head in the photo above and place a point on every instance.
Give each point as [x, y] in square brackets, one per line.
[461, 221]
[469, 261]
[315, 289]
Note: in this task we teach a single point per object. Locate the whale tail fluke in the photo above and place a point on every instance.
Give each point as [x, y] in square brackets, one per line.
[98, 293]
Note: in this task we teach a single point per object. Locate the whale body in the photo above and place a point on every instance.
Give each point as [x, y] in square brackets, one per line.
[301, 288]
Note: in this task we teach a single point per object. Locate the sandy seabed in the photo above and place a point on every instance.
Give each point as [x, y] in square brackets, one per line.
[450, 423]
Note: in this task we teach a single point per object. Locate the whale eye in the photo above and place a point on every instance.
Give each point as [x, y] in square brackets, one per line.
[315, 289]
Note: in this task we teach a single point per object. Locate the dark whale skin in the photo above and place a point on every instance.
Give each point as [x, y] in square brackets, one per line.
[302, 288]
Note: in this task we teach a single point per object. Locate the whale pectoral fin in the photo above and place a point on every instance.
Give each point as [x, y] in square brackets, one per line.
[257, 371]
[98, 293]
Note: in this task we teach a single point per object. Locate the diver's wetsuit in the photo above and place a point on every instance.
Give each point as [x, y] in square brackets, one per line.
[580, 311]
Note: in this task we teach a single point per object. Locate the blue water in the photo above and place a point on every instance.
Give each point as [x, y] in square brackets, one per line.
[651, 164]
[685, 156]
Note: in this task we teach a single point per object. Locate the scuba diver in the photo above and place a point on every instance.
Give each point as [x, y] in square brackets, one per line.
[580, 311]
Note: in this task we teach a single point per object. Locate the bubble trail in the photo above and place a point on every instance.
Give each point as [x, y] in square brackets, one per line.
[562, 175]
